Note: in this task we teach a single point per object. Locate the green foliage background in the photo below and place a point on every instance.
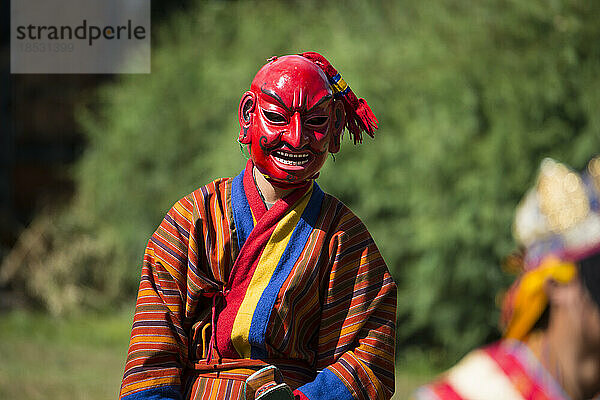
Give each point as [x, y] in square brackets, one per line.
[470, 97]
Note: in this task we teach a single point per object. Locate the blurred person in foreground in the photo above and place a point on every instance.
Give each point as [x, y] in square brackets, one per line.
[551, 314]
[262, 286]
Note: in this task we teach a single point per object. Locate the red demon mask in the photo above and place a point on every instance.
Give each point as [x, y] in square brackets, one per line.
[291, 119]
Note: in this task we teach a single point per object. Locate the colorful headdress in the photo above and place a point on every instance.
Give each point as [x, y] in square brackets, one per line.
[558, 224]
[359, 116]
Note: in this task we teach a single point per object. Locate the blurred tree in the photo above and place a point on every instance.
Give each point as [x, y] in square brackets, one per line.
[470, 97]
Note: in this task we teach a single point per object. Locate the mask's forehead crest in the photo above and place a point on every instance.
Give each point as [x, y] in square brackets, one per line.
[296, 80]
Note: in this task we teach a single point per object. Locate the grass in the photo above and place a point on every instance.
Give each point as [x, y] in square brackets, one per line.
[407, 381]
[42, 357]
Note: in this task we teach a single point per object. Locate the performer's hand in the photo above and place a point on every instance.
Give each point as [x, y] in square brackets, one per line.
[267, 384]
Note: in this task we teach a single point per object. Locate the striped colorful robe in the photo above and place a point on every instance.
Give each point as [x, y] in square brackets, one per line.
[228, 287]
[506, 370]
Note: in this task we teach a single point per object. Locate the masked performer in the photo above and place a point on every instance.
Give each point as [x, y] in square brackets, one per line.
[551, 314]
[262, 284]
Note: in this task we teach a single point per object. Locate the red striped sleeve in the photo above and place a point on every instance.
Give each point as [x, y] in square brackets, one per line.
[158, 342]
[357, 327]
[183, 260]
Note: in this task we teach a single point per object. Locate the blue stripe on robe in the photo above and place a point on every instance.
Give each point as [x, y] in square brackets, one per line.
[242, 215]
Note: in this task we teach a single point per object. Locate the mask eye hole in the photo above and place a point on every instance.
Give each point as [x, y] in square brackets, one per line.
[317, 121]
[274, 117]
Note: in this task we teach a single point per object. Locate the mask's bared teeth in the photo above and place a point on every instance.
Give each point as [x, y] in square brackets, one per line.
[280, 154]
[288, 158]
